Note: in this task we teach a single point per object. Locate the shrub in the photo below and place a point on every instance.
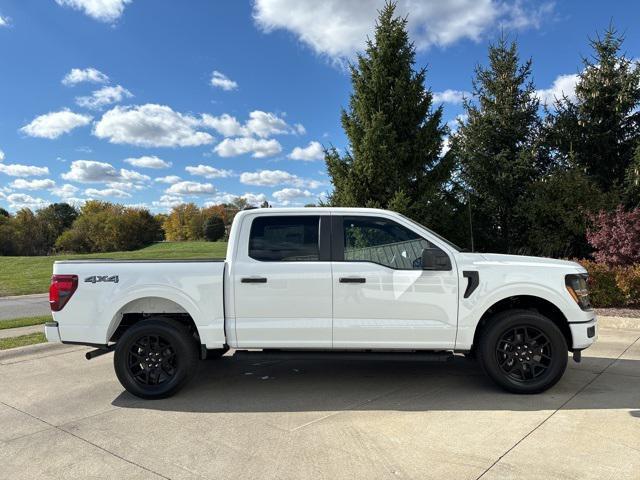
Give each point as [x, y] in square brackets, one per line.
[616, 236]
[611, 286]
[214, 228]
[628, 280]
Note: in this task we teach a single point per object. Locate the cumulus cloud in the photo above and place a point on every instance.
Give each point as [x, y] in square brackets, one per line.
[311, 152]
[208, 171]
[450, 96]
[4, 21]
[1, 156]
[17, 170]
[91, 171]
[562, 85]
[65, 191]
[79, 75]
[168, 179]
[148, 161]
[220, 80]
[133, 176]
[103, 10]
[259, 148]
[53, 124]
[259, 124]
[22, 200]
[251, 198]
[270, 178]
[339, 28]
[190, 188]
[21, 184]
[106, 192]
[168, 201]
[103, 97]
[150, 125]
[287, 195]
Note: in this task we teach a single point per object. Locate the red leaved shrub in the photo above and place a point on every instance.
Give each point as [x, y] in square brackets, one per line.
[615, 236]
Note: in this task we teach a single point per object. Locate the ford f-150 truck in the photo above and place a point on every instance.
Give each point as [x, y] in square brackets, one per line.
[331, 280]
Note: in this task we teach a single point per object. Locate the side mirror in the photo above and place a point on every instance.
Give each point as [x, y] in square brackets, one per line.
[435, 259]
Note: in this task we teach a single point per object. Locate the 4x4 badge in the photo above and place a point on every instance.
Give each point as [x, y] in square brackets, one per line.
[102, 278]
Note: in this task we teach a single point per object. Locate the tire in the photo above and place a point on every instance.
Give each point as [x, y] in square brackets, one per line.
[523, 351]
[164, 341]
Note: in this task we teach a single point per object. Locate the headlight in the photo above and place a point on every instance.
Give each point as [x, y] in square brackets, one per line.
[577, 288]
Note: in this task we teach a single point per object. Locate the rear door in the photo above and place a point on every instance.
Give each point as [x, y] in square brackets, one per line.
[382, 297]
[282, 282]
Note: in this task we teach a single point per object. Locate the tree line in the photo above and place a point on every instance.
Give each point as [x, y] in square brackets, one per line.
[512, 175]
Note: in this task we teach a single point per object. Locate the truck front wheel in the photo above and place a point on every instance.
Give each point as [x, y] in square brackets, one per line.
[155, 358]
[523, 351]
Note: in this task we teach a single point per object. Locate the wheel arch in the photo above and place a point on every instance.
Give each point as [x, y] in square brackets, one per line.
[524, 302]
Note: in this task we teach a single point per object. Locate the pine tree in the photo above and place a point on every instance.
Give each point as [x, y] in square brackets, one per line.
[599, 130]
[395, 138]
[498, 147]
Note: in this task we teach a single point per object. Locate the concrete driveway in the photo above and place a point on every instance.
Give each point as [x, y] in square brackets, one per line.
[65, 417]
[24, 306]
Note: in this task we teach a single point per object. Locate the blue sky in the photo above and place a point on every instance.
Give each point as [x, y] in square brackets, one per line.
[156, 102]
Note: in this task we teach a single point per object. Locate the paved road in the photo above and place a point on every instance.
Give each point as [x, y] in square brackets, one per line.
[24, 306]
[65, 417]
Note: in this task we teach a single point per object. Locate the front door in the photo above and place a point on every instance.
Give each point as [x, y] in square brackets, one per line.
[382, 297]
[282, 282]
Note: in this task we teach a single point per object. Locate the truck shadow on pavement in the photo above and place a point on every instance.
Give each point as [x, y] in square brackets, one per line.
[294, 385]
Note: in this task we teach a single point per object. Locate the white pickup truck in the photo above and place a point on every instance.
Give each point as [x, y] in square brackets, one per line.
[329, 280]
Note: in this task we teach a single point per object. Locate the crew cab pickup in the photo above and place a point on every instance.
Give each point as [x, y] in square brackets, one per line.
[331, 280]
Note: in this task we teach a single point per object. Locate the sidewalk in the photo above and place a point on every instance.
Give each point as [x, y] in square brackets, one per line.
[24, 306]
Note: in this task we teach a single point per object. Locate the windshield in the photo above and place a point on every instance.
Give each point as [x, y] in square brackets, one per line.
[440, 237]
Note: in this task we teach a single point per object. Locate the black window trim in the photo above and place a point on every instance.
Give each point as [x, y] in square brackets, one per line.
[337, 240]
[324, 237]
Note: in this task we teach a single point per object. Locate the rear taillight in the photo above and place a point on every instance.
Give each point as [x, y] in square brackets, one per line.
[60, 290]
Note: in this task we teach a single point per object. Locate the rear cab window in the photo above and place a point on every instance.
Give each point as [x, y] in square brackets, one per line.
[287, 238]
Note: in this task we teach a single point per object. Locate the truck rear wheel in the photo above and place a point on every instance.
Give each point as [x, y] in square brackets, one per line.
[523, 351]
[155, 358]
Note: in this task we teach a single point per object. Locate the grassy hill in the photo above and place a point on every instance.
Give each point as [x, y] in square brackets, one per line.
[24, 275]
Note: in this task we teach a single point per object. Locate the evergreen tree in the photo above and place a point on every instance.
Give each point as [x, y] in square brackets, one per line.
[599, 130]
[213, 228]
[395, 137]
[498, 148]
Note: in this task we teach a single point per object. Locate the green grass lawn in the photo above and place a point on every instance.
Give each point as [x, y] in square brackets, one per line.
[22, 340]
[24, 275]
[25, 322]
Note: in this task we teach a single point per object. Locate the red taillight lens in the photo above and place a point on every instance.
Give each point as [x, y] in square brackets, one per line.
[60, 290]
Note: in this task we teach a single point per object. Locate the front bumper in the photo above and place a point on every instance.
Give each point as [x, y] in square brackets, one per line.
[52, 332]
[584, 334]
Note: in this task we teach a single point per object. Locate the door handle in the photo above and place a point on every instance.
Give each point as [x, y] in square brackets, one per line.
[253, 280]
[353, 280]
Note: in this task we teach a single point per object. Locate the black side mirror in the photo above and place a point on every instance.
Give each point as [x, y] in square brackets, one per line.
[435, 259]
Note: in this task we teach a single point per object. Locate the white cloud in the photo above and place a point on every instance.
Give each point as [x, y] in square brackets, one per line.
[103, 97]
[450, 96]
[190, 188]
[148, 161]
[299, 128]
[208, 171]
[339, 28]
[53, 124]
[21, 184]
[16, 170]
[65, 191]
[90, 171]
[287, 195]
[270, 178]
[126, 186]
[251, 198]
[4, 21]
[79, 75]
[133, 176]
[168, 179]
[220, 80]
[311, 152]
[225, 125]
[259, 148]
[266, 124]
[106, 192]
[102, 10]
[150, 125]
[562, 85]
[168, 201]
[22, 200]
[1, 156]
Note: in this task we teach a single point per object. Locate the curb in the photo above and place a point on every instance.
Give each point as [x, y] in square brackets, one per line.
[629, 323]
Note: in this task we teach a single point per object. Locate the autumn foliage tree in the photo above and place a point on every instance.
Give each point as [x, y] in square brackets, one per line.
[615, 236]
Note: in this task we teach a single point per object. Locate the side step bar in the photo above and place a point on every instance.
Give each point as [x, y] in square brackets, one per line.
[343, 355]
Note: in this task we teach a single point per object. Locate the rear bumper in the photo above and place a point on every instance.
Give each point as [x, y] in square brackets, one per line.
[52, 332]
[584, 334]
